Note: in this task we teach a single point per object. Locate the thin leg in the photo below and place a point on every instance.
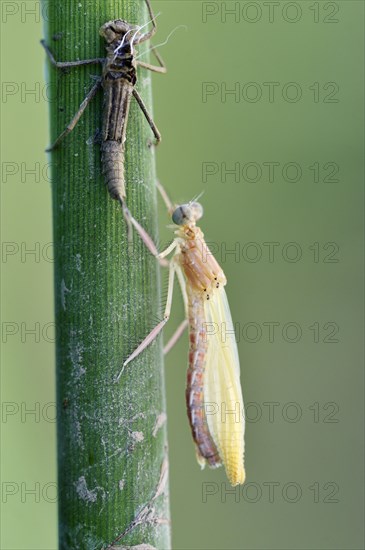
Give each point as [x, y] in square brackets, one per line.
[77, 117]
[150, 33]
[182, 283]
[169, 249]
[147, 115]
[156, 331]
[148, 241]
[162, 67]
[66, 64]
[170, 207]
[158, 57]
[153, 68]
[176, 336]
[145, 237]
[180, 330]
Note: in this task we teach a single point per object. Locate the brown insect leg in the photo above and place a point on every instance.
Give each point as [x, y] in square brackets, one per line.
[148, 116]
[66, 64]
[158, 57]
[77, 116]
[150, 33]
[156, 69]
[153, 68]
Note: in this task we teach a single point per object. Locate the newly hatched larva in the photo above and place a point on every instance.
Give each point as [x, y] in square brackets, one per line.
[213, 394]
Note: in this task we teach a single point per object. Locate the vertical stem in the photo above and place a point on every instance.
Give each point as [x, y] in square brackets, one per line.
[111, 437]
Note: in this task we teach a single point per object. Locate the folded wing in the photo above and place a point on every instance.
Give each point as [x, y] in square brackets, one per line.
[222, 387]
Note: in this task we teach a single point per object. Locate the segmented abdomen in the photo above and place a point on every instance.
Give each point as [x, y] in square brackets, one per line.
[117, 97]
[195, 381]
[112, 158]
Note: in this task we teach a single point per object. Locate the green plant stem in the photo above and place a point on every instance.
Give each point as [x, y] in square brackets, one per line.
[112, 464]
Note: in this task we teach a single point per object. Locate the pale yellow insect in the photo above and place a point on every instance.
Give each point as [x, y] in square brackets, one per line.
[213, 394]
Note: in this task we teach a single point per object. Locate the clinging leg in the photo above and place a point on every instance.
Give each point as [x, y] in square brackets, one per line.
[148, 241]
[148, 116]
[181, 328]
[153, 30]
[67, 64]
[176, 336]
[160, 257]
[170, 207]
[77, 116]
[156, 331]
[155, 68]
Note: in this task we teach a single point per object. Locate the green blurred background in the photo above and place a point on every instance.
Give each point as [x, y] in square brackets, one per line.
[293, 215]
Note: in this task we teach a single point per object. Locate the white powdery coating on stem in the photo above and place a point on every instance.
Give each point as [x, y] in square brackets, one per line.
[83, 492]
[64, 291]
[137, 436]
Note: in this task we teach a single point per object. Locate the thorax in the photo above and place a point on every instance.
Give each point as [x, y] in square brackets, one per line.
[202, 271]
[120, 65]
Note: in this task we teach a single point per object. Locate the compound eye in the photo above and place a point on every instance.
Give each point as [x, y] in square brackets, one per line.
[181, 215]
